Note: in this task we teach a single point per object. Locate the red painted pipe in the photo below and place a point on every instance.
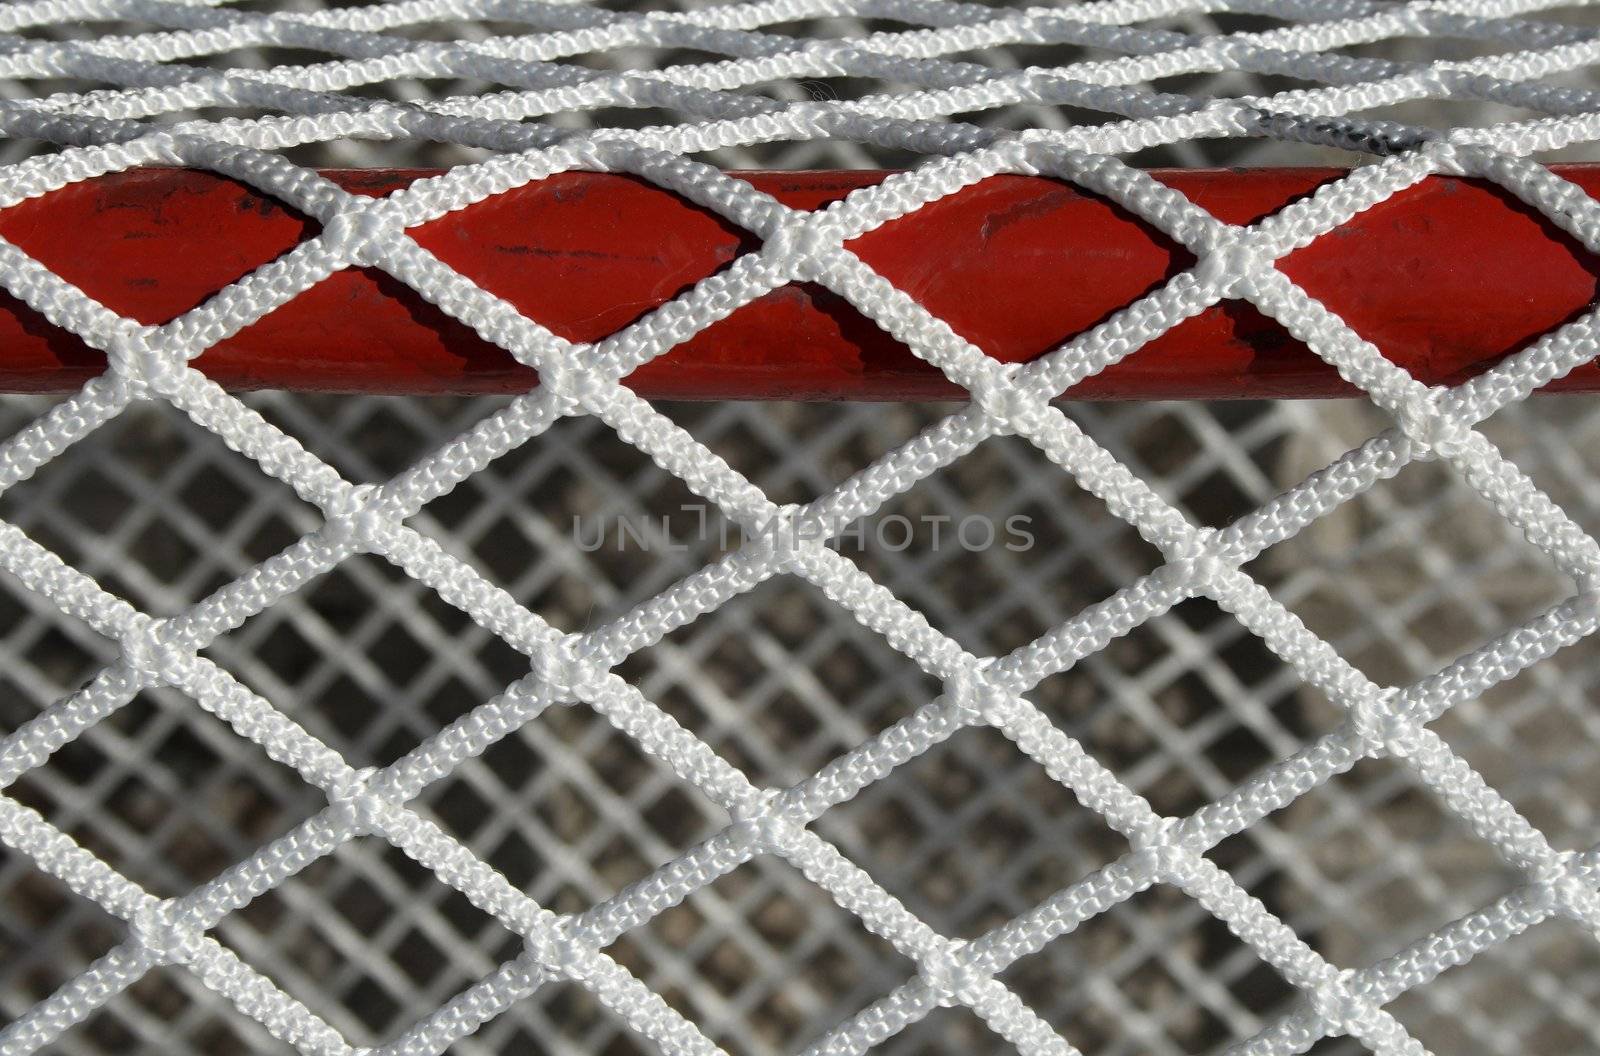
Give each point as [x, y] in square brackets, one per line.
[1446, 278]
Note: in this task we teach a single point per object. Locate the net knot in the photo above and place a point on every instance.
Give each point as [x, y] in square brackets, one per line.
[1382, 726]
[554, 950]
[974, 697]
[575, 386]
[950, 975]
[1195, 562]
[142, 366]
[1588, 593]
[362, 234]
[358, 806]
[1432, 431]
[1562, 889]
[785, 534]
[1340, 1003]
[159, 928]
[145, 649]
[1230, 268]
[1586, 600]
[350, 517]
[1159, 849]
[1014, 406]
[566, 670]
[796, 250]
[1450, 158]
[760, 822]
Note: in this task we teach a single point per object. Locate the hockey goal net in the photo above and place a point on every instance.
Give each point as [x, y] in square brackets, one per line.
[525, 669]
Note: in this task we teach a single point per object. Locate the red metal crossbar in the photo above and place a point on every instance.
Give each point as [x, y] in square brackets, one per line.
[1446, 278]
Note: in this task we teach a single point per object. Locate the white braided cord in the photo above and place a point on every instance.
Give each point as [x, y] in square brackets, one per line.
[146, 78]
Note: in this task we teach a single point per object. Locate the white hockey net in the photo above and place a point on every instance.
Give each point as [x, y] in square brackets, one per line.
[326, 730]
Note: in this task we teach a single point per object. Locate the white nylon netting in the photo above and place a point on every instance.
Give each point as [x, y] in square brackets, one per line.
[1114, 795]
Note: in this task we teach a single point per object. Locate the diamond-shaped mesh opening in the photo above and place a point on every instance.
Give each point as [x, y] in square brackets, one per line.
[1366, 863]
[1479, 221]
[998, 548]
[47, 654]
[1125, 981]
[372, 440]
[1187, 708]
[592, 277]
[1526, 738]
[49, 936]
[1451, 113]
[578, 525]
[235, 231]
[760, 440]
[561, 1017]
[1537, 989]
[762, 960]
[157, 510]
[165, 793]
[780, 681]
[571, 808]
[947, 1032]
[1412, 574]
[1563, 468]
[366, 937]
[1207, 83]
[1213, 461]
[971, 834]
[408, 665]
[170, 1011]
[989, 236]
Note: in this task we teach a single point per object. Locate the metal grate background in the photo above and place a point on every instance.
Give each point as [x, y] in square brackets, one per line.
[781, 681]
[1401, 581]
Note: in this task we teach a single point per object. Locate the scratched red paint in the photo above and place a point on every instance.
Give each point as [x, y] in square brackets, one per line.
[1446, 279]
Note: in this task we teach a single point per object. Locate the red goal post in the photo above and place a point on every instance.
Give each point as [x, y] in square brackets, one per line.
[1446, 278]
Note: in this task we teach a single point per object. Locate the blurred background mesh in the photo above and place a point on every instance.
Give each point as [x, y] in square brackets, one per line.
[779, 681]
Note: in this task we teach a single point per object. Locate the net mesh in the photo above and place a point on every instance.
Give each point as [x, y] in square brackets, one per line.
[326, 730]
